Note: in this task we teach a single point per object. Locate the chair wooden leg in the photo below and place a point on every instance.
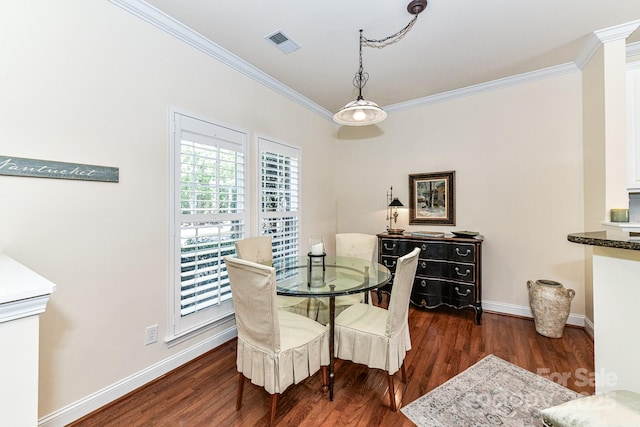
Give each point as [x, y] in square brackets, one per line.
[325, 378]
[274, 401]
[392, 393]
[240, 390]
[404, 373]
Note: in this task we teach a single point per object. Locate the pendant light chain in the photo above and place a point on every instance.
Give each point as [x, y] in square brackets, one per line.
[387, 40]
[361, 77]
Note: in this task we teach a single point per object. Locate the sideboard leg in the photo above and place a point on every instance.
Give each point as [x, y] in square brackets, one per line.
[478, 314]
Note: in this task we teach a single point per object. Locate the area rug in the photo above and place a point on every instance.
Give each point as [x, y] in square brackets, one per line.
[493, 392]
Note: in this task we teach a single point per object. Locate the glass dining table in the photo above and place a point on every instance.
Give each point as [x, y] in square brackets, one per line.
[317, 276]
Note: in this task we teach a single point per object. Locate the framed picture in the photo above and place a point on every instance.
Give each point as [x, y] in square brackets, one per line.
[432, 198]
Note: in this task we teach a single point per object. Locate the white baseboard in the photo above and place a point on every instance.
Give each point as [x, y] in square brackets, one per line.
[82, 407]
[524, 311]
[588, 327]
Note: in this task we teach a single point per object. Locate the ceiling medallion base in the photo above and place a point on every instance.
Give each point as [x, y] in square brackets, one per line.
[416, 6]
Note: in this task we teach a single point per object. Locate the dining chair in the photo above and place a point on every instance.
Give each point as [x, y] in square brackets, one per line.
[356, 245]
[376, 337]
[275, 348]
[260, 250]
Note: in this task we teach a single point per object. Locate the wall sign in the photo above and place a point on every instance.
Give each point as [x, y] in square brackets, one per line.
[17, 166]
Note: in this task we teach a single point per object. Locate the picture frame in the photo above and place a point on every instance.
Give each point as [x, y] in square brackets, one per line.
[432, 198]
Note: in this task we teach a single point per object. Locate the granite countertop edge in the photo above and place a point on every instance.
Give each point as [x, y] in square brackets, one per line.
[600, 238]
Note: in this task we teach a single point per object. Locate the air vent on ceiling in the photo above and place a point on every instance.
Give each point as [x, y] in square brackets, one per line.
[282, 41]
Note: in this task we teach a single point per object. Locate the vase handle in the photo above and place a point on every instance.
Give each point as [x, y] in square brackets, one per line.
[571, 293]
[530, 283]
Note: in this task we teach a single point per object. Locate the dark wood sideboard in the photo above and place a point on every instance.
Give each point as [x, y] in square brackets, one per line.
[449, 270]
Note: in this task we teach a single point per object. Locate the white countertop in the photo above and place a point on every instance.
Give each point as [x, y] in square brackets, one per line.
[624, 226]
[18, 282]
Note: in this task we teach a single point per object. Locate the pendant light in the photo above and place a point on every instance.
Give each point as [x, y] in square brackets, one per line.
[362, 112]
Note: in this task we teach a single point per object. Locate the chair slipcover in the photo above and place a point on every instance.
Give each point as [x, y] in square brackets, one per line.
[618, 408]
[275, 348]
[356, 245]
[374, 336]
[259, 249]
[255, 249]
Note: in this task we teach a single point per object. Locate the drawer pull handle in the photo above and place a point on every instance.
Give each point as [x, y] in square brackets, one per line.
[423, 283]
[386, 264]
[424, 246]
[389, 248]
[461, 294]
[423, 264]
[463, 275]
[464, 254]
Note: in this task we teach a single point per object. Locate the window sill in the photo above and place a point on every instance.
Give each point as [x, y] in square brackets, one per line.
[189, 334]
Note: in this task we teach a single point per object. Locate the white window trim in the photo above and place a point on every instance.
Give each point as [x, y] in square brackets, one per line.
[178, 330]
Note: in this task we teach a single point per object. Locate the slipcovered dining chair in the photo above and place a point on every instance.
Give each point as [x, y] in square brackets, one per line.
[275, 348]
[377, 337]
[356, 245]
[260, 250]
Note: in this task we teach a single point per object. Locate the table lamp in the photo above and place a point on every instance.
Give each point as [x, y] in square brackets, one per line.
[392, 212]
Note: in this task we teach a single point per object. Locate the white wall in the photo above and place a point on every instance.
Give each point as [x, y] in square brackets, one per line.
[87, 82]
[517, 153]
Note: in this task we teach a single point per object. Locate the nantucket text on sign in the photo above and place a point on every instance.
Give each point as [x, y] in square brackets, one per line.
[17, 166]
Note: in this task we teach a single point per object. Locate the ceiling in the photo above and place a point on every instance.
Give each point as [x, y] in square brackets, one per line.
[454, 43]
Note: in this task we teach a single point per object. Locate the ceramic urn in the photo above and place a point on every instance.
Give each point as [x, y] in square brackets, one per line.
[550, 303]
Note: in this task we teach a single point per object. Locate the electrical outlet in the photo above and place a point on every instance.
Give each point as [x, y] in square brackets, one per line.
[151, 335]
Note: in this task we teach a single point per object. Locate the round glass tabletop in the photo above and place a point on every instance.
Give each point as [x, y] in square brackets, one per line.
[325, 276]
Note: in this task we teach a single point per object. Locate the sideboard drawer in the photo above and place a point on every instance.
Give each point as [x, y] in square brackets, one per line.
[429, 250]
[389, 262]
[461, 252]
[431, 293]
[446, 270]
[394, 247]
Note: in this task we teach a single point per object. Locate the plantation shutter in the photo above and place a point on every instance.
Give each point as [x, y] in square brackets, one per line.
[279, 197]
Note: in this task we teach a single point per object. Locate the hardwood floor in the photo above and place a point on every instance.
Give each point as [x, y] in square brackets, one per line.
[445, 342]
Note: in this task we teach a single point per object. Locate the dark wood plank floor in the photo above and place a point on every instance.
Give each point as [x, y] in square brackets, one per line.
[445, 342]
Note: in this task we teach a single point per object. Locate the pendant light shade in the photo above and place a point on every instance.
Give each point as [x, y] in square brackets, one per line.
[360, 113]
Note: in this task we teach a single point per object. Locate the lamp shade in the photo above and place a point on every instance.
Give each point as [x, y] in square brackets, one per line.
[360, 113]
[396, 203]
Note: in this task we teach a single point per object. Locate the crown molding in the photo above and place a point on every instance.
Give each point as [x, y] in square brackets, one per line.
[161, 20]
[518, 79]
[617, 32]
[606, 35]
[633, 49]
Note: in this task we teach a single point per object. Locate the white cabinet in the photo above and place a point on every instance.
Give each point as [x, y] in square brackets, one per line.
[633, 127]
[23, 297]
[615, 312]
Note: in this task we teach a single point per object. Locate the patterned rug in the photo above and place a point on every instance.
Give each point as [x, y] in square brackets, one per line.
[493, 392]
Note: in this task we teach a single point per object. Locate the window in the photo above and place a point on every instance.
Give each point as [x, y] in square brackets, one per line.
[208, 216]
[279, 214]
